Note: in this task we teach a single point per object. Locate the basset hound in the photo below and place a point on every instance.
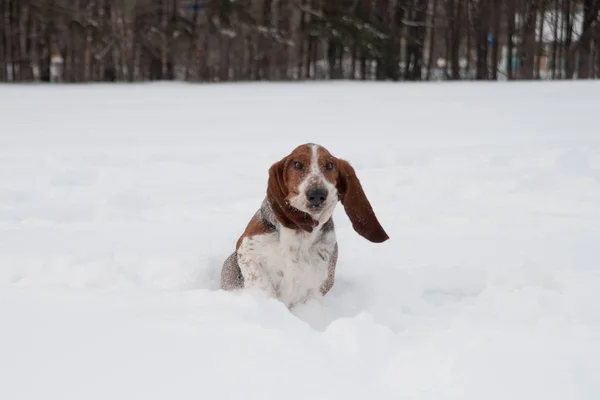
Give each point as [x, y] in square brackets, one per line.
[289, 248]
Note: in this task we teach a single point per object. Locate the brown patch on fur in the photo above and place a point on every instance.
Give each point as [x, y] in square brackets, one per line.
[255, 227]
[324, 157]
[283, 183]
[292, 176]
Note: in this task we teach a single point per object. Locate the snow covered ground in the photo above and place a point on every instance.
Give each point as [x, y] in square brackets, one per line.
[118, 205]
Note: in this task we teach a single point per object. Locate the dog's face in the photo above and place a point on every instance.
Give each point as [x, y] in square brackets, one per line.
[312, 181]
[311, 174]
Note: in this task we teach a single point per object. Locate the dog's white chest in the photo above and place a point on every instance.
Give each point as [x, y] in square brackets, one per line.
[291, 265]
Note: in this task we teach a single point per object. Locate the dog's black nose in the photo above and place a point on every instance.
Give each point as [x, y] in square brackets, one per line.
[316, 196]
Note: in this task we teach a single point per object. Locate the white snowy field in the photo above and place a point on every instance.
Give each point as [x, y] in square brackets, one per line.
[118, 205]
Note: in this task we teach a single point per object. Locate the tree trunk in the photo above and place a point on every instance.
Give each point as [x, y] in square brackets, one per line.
[569, 59]
[432, 37]
[510, 31]
[555, 32]
[15, 15]
[454, 9]
[7, 60]
[309, 55]
[540, 42]
[526, 48]
[591, 8]
[597, 51]
[3, 39]
[363, 67]
[354, 60]
[193, 44]
[561, 47]
[481, 32]
[294, 57]
[418, 33]
[26, 65]
[45, 52]
[224, 67]
[495, 15]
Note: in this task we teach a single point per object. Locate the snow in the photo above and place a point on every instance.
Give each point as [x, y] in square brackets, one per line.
[119, 203]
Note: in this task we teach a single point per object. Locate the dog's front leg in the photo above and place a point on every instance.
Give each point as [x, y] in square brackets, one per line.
[256, 276]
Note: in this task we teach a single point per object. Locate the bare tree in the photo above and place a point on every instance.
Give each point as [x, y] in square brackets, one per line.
[223, 40]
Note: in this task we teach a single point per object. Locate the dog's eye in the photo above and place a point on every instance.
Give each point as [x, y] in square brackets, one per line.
[298, 165]
[329, 166]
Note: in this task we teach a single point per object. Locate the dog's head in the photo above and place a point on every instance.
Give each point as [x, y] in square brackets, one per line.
[306, 185]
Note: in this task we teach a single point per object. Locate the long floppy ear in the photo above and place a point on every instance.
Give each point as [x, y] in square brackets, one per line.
[277, 192]
[276, 187]
[357, 205]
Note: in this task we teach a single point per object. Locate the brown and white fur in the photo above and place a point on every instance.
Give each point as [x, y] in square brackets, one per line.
[289, 248]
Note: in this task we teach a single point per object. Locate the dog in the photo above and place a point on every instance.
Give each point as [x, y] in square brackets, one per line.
[289, 249]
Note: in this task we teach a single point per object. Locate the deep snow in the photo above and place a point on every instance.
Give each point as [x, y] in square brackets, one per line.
[119, 203]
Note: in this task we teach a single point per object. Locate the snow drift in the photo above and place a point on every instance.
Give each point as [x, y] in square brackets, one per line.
[119, 203]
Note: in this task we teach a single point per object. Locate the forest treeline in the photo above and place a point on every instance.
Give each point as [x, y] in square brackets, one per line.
[242, 40]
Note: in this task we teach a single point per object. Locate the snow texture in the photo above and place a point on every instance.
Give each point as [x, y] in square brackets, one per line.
[119, 203]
